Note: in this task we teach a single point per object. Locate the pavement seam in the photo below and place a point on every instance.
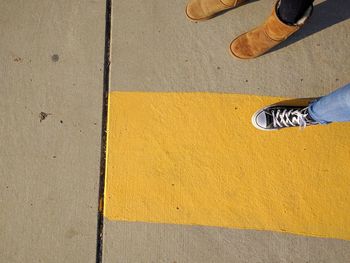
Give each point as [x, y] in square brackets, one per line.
[106, 88]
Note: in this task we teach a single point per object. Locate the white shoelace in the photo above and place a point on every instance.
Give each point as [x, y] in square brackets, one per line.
[283, 118]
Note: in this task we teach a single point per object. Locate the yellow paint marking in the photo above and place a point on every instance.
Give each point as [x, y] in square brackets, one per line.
[195, 158]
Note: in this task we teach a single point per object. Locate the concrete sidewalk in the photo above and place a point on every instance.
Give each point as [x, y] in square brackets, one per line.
[157, 51]
[52, 63]
[51, 101]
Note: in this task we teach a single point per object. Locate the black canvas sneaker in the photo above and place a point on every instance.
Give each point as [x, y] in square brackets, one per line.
[277, 117]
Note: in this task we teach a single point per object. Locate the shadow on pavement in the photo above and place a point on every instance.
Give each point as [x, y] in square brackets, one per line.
[296, 102]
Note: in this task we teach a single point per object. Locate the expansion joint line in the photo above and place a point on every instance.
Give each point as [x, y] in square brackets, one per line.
[106, 83]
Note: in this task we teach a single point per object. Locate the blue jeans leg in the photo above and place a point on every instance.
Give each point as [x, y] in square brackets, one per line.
[334, 107]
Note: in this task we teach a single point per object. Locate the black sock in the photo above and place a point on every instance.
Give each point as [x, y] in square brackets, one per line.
[290, 11]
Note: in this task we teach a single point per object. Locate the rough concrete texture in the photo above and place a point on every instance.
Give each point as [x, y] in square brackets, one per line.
[51, 56]
[144, 242]
[155, 48]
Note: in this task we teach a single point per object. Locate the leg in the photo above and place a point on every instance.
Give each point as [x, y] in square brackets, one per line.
[290, 11]
[334, 107]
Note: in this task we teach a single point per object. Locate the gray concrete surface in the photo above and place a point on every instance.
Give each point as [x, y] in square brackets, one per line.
[51, 62]
[51, 56]
[155, 48]
[144, 242]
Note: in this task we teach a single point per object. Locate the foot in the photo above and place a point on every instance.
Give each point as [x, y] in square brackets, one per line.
[277, 117]
[261, 39]
[197, 10]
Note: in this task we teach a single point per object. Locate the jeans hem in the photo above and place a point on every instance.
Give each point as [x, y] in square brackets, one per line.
[312, 114]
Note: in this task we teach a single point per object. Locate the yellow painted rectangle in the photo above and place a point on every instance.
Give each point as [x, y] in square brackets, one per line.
[195, 158]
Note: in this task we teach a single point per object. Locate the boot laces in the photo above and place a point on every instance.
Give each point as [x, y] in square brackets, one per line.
[290, 118]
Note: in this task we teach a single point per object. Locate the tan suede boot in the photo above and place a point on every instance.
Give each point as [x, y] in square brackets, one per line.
[261, 39]
[205, 9]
